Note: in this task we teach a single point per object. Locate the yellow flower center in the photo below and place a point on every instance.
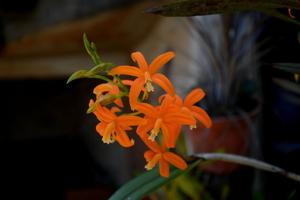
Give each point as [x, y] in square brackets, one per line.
[192, 127]
[148, 82]
[155, 129]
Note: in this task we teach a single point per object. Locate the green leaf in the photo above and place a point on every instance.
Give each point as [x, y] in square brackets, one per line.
[85, 74]
[102, 67]
[146, 183]
[90, 47]
[77, 75]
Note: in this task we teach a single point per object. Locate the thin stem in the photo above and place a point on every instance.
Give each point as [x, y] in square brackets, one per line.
[248, 162]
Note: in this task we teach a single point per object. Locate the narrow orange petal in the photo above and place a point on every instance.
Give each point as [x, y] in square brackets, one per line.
[135, 91]
[164, 169]
[193, 97]
[151, 144]
[153, 161]
[165, 104]
[180, 118]
[175, 160]
[105, 87]
[123, 139]
[167, 137]
[114, 89]
[129, 120]
[115, 109]
[160, 61]
[145, 128]
[108, 133]
[140, 59]
[178, 100]
[126, 70]
[164, 83]
[127, 82]
[148, 155]
[100, 128]
[174, 130]
[202, 116]
[103, 114]
[146, 109]
[119, 102]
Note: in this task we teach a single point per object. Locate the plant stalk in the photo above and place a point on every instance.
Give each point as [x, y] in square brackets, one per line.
[251, 162]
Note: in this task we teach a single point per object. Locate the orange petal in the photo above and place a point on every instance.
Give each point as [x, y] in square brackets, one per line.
[193, 97]
[114, 89]
[128, 120]
[164, 169]
[123, 138]
[100, 128]
[145, 128]
[135, 91]
[167, 137]
[175, 132]
[146, 109]
[119, 103]
[178, 100]
[115, 109]
[160, 61]
[151, 144]
[175, 160]
[180, 118]
[126, 70]
[105, 87]
[148, 155]
[140, 59]
[153, 161]
[202, 116]
[164, 83]
[166, 102]
[103, 114]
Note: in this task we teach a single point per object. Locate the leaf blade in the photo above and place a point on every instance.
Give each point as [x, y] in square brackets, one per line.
[147, 183]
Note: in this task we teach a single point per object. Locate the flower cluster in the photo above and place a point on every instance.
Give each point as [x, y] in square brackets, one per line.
[158, 126]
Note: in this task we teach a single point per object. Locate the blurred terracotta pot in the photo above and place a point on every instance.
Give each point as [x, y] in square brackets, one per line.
[227, 134]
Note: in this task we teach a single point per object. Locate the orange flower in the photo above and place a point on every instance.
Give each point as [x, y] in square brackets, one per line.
[156, 154]
[188, 106]
[145, 75]
[113, 127]
[166, 117]
[109, 88]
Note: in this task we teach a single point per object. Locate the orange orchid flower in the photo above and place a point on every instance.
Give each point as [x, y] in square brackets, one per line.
[109, 88]
[156, 154]
[146, 74]
[167, 117]
[112, 127]
[188, 106]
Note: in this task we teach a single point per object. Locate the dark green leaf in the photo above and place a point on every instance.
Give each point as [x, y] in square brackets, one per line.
[288, 67]
[146, 183]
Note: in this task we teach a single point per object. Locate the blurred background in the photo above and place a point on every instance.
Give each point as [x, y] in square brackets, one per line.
[246, 62]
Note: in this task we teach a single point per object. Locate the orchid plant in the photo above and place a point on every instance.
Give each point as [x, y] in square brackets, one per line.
[157, 126]
[150, 121]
